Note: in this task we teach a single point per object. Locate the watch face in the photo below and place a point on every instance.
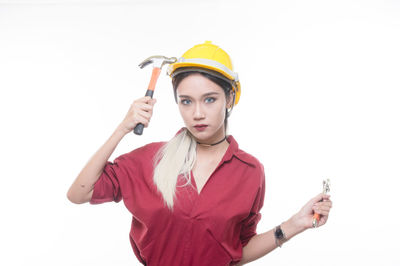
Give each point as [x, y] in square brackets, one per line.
[278, 233]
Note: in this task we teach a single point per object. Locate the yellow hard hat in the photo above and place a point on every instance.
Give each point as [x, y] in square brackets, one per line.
[209, 57]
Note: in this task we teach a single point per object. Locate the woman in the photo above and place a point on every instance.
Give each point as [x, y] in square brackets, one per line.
[196, 199]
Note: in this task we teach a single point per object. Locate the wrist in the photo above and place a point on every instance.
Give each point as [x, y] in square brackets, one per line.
[291, 228]
[119, 133]
[121, 130]
[280, 236]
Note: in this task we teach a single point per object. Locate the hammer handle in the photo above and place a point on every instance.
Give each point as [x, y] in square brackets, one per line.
[154, 76]
[138, 130]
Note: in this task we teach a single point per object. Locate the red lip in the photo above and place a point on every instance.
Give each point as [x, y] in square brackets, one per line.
[200, 127]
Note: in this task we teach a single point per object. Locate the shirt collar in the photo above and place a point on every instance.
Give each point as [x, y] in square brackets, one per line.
[233, 150]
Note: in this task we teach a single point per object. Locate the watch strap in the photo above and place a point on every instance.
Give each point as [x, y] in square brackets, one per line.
[280, 236]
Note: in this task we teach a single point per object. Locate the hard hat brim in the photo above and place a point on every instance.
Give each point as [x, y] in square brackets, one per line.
[173, 67]
[206, 69]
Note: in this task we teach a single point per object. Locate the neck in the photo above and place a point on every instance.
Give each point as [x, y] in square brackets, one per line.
[212, 144]
[208, 150]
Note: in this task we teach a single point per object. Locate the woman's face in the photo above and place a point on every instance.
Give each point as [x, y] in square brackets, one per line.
[202, 104]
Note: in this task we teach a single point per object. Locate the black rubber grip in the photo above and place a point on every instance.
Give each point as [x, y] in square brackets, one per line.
[138, 130]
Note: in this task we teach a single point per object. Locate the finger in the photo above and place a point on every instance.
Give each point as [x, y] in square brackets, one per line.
[146, 99]
[323, 220]
[323, 203]
[148, 108]
[144, 114]
[141, 100]
[317, 198]
[144, 106]
[142, 120]
[149, 100]
[321, 211]
[325, 197]
[324, 213]
[320, 198]
[152, 102]
[327, 203]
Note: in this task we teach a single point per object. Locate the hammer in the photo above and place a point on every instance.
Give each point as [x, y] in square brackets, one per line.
[158, 62]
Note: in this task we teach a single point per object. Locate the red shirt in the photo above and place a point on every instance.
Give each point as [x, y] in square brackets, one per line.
[209, 228]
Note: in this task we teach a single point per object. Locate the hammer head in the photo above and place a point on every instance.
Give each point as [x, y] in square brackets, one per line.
[158, 61]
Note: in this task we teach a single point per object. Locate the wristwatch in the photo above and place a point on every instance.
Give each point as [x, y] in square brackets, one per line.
[280, 236]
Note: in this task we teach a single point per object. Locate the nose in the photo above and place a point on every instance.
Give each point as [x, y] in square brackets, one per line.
[198, 112]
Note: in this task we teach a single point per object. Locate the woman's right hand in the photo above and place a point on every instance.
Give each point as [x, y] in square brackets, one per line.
[140, 111]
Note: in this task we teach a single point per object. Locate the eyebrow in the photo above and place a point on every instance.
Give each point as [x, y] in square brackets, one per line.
[204, 95]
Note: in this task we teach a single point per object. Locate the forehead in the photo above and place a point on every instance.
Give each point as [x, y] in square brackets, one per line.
[196, 84]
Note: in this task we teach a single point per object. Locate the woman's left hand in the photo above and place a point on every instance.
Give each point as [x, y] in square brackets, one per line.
[320, 204]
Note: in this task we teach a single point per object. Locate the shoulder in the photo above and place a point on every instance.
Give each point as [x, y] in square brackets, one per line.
[254, 166]
[242, 155]
[145, 152]
[247, 158]
[149, 148]
[250, 160]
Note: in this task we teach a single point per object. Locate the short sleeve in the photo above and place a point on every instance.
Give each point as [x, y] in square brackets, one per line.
[249, 225]
[107, 187]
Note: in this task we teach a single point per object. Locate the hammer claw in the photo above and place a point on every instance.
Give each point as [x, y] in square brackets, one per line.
[158, 61]
[145, 63]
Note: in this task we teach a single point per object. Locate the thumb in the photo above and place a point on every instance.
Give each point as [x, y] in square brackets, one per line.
[152, 101]
[317, 198]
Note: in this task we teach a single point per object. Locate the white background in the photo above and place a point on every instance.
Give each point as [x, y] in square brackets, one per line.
[320, 83]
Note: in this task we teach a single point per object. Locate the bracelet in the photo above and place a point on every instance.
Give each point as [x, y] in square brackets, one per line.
[280, 236]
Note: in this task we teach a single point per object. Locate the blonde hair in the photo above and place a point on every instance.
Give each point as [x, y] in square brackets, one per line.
[178, 156]
[175, 159]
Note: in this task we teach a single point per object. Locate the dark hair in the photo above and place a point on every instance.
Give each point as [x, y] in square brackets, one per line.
[222, 82]
[225, 85]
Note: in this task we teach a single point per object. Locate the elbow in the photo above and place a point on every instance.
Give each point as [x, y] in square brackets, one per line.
[240, 263]
[73, 198]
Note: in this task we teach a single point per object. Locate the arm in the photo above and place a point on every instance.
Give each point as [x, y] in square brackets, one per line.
[261, 244]
[82, 188]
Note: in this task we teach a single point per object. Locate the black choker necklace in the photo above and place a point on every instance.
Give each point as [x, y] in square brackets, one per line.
[209, 145]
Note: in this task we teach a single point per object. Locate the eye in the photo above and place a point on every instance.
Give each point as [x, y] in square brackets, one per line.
[185, 101]
[210, 100]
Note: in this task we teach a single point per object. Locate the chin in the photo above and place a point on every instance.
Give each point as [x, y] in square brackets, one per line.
[200, 135]
[206, 137]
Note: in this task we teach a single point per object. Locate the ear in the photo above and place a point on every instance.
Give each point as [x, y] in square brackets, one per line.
[229, 100]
